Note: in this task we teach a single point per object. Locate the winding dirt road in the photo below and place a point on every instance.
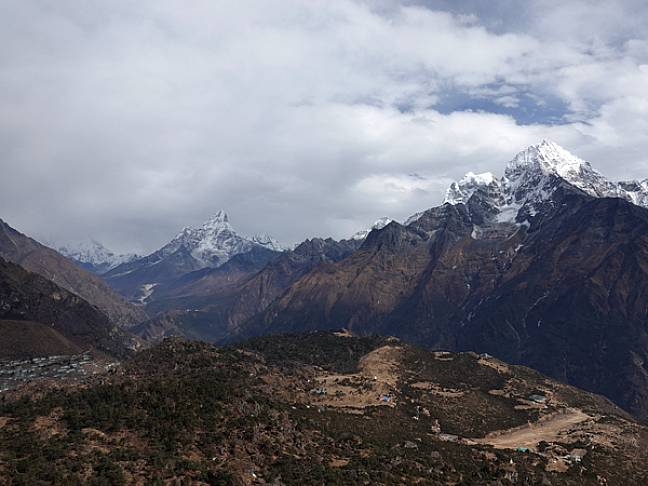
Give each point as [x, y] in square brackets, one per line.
[547, 428]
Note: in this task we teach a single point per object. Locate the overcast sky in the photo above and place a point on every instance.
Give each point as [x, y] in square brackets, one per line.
[124, 121]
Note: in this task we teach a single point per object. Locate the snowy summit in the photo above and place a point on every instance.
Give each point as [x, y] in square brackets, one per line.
[531, 178]
[215, 242]
[94, 256]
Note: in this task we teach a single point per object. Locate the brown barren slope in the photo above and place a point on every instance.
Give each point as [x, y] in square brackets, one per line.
[31, 255]
[27, 339]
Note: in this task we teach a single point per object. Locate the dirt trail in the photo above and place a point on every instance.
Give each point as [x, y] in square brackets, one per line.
[547, 428]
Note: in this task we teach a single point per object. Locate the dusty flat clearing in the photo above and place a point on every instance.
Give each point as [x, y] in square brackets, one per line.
[548, 429]
[377, 376]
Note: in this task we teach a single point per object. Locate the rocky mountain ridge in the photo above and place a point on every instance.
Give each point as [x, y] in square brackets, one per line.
[380, 223]
[213, 304]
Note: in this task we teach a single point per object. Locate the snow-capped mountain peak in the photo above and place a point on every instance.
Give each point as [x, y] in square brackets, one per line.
[218, 222]
[219, 219]
[531, 178]
[550, 159]
[215, 242]
[380, 223]
[94, 256]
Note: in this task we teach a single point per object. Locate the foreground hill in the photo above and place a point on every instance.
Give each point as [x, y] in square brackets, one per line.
[31, 255]
[322, 408]
[39, 318]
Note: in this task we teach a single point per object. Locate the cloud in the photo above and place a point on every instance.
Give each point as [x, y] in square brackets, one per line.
[126, 121]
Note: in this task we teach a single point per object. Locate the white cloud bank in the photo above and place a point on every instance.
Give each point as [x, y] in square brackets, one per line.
[125, 121]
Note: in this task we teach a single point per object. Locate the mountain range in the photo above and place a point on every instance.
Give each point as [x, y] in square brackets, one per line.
[544, 266]
[213, 305]
[539, 267]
